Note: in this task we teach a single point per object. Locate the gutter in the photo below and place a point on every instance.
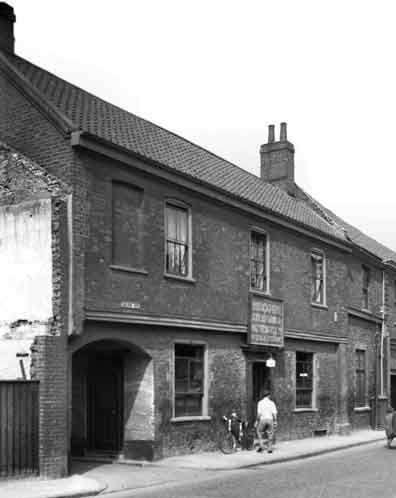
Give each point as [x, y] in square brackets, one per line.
[140, 162]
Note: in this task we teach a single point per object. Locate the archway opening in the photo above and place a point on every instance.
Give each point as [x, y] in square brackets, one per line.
[112, 401]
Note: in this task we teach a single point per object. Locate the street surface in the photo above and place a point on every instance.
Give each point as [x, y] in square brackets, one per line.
[367, 471]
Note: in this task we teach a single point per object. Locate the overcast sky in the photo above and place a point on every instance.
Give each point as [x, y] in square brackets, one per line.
[218, 72]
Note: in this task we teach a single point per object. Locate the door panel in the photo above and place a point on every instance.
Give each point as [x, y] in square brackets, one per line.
[393, 391]
[105, 402]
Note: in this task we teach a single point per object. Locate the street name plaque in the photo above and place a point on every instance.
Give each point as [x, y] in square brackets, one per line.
[266, 322]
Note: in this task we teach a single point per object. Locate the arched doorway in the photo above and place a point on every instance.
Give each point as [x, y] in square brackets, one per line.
[112, 400]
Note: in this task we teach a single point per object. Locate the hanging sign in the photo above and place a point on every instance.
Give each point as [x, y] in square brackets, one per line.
[266, 322]
[270, 363]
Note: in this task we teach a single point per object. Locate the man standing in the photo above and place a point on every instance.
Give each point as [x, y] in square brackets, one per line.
[266, 420]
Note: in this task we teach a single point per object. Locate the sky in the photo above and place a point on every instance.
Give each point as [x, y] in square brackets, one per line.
[219, 72]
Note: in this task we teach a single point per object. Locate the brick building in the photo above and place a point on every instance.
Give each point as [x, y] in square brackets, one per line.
[189, 276]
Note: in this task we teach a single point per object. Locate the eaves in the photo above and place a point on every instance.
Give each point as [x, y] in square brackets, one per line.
[104, 147]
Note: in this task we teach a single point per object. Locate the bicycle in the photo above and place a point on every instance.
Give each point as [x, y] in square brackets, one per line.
[235, 436]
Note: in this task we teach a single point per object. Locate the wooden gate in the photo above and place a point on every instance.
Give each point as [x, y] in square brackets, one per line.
[19, 414]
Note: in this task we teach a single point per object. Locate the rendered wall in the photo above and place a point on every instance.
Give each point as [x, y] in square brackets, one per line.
[26, 282]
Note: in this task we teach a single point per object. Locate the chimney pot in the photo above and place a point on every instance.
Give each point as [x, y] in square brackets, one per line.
[7, 19]
[283, 132]
[271, 134]
[277, 160]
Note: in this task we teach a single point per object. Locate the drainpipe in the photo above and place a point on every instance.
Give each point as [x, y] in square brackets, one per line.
[69, 205]
[382, 335]
[69, 212]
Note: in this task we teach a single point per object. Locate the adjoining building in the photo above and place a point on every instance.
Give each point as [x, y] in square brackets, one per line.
[193, 284]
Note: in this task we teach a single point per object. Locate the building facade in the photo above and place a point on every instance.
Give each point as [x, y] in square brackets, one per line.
[193, 285]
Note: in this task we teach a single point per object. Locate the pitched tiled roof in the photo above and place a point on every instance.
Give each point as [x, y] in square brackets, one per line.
[95, 116]
[100, 118]
[355, 235]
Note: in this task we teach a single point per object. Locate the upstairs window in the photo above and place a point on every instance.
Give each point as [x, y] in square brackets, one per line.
[360, 363]
[189, 380]
[177, 233]
[365, 287]
[304, 380]
[258, 261]
[127, 225]
[318, 267]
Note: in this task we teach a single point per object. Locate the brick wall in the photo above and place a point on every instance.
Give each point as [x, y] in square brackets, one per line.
[226, 379]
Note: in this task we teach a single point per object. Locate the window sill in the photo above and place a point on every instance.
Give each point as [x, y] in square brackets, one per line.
[302, 410]
[188, 280]
[320, 306]
[196, 418]
[129, 269]
[259, 292]
[362, 409]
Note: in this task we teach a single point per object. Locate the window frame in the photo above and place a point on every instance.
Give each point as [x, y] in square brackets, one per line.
[178, 204]
[315, 255]
[394, 292]
[365, 289]
[261, 233]
[311, 389]
[360, 402]
[204, 411]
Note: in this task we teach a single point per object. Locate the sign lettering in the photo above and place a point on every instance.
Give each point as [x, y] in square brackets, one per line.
[266, 322]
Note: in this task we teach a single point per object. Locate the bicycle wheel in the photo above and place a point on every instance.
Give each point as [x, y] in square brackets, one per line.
[227, 443]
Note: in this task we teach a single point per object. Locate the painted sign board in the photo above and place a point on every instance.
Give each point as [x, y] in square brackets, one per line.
[265, 322]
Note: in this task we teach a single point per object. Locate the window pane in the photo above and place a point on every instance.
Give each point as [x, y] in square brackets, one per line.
[317, 278]
[258, 245]
[176, 240]
[360, 363]
[181, 375]
[196, 376]
[304, 379]
[188, 406]
[189, 379]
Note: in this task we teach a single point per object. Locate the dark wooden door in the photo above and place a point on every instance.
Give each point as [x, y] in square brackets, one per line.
[393, 391]
[105, 382]
[260, 382]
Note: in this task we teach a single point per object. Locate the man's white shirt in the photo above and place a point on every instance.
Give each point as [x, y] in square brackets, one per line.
[266, 409]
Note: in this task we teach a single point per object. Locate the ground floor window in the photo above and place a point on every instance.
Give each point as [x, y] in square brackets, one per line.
[189, 380]
[304, 380]
[360, 362]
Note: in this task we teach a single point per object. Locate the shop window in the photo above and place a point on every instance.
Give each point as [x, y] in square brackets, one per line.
[365, 287]
[189, 380]
[318, 267]
[360, 362]
[304, 380]
[177, 240]
[259, 262]
[127, 225]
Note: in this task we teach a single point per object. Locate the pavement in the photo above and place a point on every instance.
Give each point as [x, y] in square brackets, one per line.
[92, 478]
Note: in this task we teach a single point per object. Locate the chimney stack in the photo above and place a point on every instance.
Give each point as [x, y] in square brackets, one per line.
[277, 159]
[7, 19]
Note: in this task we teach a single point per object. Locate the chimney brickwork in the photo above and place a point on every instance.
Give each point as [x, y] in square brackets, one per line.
[7, 19]
[277, 159]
